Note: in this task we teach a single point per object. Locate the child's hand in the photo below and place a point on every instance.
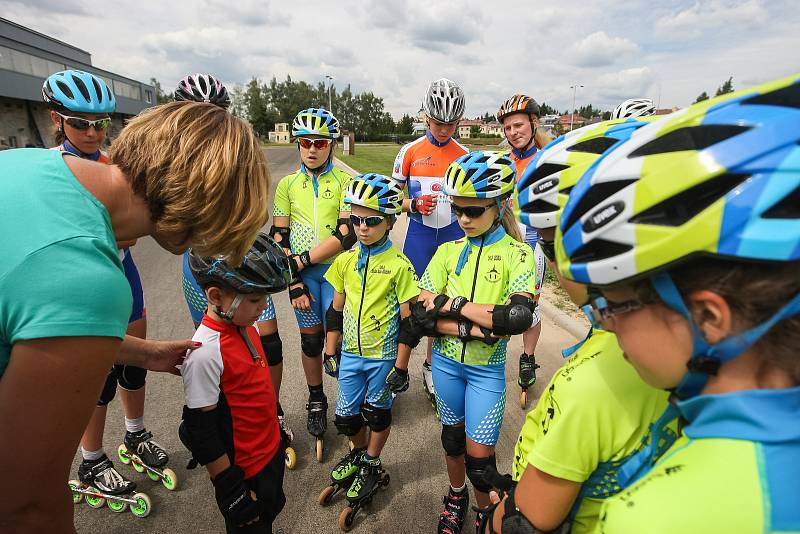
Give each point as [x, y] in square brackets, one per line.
[300, 297]
[397, 380]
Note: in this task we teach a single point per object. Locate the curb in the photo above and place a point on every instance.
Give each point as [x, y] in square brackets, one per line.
[339, 163]
[572, 326]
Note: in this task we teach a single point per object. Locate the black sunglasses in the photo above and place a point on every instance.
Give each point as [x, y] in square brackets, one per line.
[84, 124]
[472, 212]
[371, 221]
[548, 249]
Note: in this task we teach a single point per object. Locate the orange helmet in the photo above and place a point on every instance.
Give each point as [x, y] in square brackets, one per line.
[518, 104]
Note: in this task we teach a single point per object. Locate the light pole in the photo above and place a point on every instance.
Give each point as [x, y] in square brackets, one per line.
[574, 90]
[330, 86]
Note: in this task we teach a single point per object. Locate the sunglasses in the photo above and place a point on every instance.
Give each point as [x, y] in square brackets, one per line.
[84, 124]
[601, 309]
[319, 144]
[472, 212]
[371, 221]
[548, 249]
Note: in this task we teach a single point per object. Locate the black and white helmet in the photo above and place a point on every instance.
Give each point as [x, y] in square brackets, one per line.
[634, 107]
[203, 88]
[444, 101]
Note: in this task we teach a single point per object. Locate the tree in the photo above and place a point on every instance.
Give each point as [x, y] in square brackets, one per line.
[726, 87]
[474, 130]
[405, 126]
[703, 96]
[161, 97]
[544, 109]
[606, 115]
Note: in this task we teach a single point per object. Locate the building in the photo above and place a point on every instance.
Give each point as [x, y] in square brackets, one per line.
[27, 58]
[569, 120]
[667, 111]
[281, 134]
[465, 126]
[492, 128]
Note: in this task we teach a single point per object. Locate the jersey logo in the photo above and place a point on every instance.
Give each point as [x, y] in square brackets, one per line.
[327, 194]
[427, 160]
[493, 275]
[380, 269]
[375, 321]
[436, 187]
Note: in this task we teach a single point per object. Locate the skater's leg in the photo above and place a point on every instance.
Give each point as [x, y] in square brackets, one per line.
[273, 350]
[311, 343]
[477, 458]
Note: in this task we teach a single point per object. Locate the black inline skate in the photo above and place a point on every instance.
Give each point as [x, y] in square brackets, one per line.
[144, 454]
[290, 456]
[370, 478]
[451, 520]
[99, 483]
[317, 421]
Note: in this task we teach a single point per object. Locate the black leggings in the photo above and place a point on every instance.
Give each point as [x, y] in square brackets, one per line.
[127, 376]
[268, 486]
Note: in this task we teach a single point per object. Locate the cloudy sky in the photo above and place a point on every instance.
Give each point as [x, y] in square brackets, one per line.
[669, 51]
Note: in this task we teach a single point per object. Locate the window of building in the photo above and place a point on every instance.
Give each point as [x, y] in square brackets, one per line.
[148, 96]
[25, 63]
[127, 90]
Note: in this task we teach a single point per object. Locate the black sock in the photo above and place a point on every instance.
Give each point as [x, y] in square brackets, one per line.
[316, 393]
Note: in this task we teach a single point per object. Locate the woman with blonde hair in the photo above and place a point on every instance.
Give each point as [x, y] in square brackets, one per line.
[187, 174]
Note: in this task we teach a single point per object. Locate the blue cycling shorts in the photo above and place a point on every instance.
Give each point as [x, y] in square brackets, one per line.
[135, 281]
[422, 241]
[470, 394]
[196, 297]
[362, 380]
[322, 292]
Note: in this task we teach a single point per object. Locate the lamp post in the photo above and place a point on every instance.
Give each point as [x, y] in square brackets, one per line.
[572, 118]
[330, 86]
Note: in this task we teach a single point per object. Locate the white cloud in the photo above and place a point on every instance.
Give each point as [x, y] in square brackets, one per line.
[599, 49]
[731, 15]
[627, 83]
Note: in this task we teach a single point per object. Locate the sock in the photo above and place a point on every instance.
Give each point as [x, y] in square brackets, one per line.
[134, 425]
[280, 410]
[371, 460]
[458, 490]
[316, 393]
[92, 456]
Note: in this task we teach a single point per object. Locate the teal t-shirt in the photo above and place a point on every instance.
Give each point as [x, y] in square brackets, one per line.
[60, 273]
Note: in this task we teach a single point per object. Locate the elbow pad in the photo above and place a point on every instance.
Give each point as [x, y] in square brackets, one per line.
[202, 434]
[511, 319]
[348, 240]
[334, 320]
[529, 303]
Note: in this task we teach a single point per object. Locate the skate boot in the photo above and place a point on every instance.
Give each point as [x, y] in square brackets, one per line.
[427, 382]
[290, 457]
[317, 421]
[370, 478]
[451, 520]
[342, 475]
[144, 454]
[527, 376]
[99, 483]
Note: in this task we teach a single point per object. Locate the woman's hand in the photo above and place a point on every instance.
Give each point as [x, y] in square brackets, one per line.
[497, 519]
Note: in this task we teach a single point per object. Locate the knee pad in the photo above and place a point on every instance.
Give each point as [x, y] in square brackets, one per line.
[454, 440]
[273, 348]
[311, 344]
[349, 425]
[109, 389]
[475, 469]
[130, 377]
[377, 419]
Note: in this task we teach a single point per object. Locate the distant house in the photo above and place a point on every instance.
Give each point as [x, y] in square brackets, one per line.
[570, 121]
[280, 134]
[492, 128]
[418, 128]
[667, 111]
[465, 125]
[549, 122]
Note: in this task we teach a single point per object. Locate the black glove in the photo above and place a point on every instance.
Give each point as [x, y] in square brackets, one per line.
[233, 497]
[331, 364]
[397, 380]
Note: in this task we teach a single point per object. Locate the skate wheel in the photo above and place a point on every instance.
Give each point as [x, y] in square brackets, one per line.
[117, 506]
[143, 505]
[137, 465]
[122, 453]
[170, 479]
[523, 399]
[152, 475]
[326, 495]
[73, 486]
[94, 501]
[320, 449]
[290, 458]
[385, 481]
[346, 519]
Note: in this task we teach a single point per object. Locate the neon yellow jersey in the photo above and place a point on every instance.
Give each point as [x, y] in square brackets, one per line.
[312, 205]
[593, 415]
[503, 267]
[373, 295]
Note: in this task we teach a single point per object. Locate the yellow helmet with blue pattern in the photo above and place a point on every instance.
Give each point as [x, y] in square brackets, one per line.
[480, 174]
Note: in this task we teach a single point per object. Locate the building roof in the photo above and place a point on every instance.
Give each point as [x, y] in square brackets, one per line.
[470, 122]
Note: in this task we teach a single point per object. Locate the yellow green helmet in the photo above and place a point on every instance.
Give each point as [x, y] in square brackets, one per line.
[480, 174]
[376, 192]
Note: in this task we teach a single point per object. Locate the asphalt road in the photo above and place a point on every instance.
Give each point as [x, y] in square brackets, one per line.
[413, 455]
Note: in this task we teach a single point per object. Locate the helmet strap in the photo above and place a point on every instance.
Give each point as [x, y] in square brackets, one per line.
[227, 316]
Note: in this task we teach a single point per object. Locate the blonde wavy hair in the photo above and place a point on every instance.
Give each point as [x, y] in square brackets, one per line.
[201, 171]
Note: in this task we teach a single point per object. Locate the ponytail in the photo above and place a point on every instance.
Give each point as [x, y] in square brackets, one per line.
[541, 137]
[509, 222]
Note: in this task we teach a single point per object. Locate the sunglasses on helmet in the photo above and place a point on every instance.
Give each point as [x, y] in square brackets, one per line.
[319, 144]
[371, 221]
[84, 124]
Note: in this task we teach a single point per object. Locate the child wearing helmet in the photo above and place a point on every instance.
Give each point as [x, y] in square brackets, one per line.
[693, 246]
[312, 224]
[230, 421]
[475, 293]
[634, 107]
[207, 88]
[81, 105]
[557, 482]
[519, 116]
[420, 166]
[374, 285]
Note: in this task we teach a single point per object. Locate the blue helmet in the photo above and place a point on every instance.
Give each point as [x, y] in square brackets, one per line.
[376, 192]
[315, 121]
[78, 91]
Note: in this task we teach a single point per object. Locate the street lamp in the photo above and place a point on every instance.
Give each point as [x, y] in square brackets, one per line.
[574, 90]
[330, 86]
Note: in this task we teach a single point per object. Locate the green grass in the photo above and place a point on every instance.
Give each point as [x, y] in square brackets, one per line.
[371, 158]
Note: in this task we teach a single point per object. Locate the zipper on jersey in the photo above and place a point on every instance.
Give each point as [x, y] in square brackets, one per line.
[472, 292]
[316, 187]
[361, 304]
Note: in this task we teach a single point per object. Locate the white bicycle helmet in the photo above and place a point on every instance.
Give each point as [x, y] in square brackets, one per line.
[634, 107]
[444, 101]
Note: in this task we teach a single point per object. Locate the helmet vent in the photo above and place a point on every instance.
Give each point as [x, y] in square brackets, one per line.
[542, 171]
[599, 249]
[539, 206]
[788, 97]
[690, 138]
[680, 208]
[596, 194]
[82, 88]
[593, 146]
[65, 89]
[788, 208]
